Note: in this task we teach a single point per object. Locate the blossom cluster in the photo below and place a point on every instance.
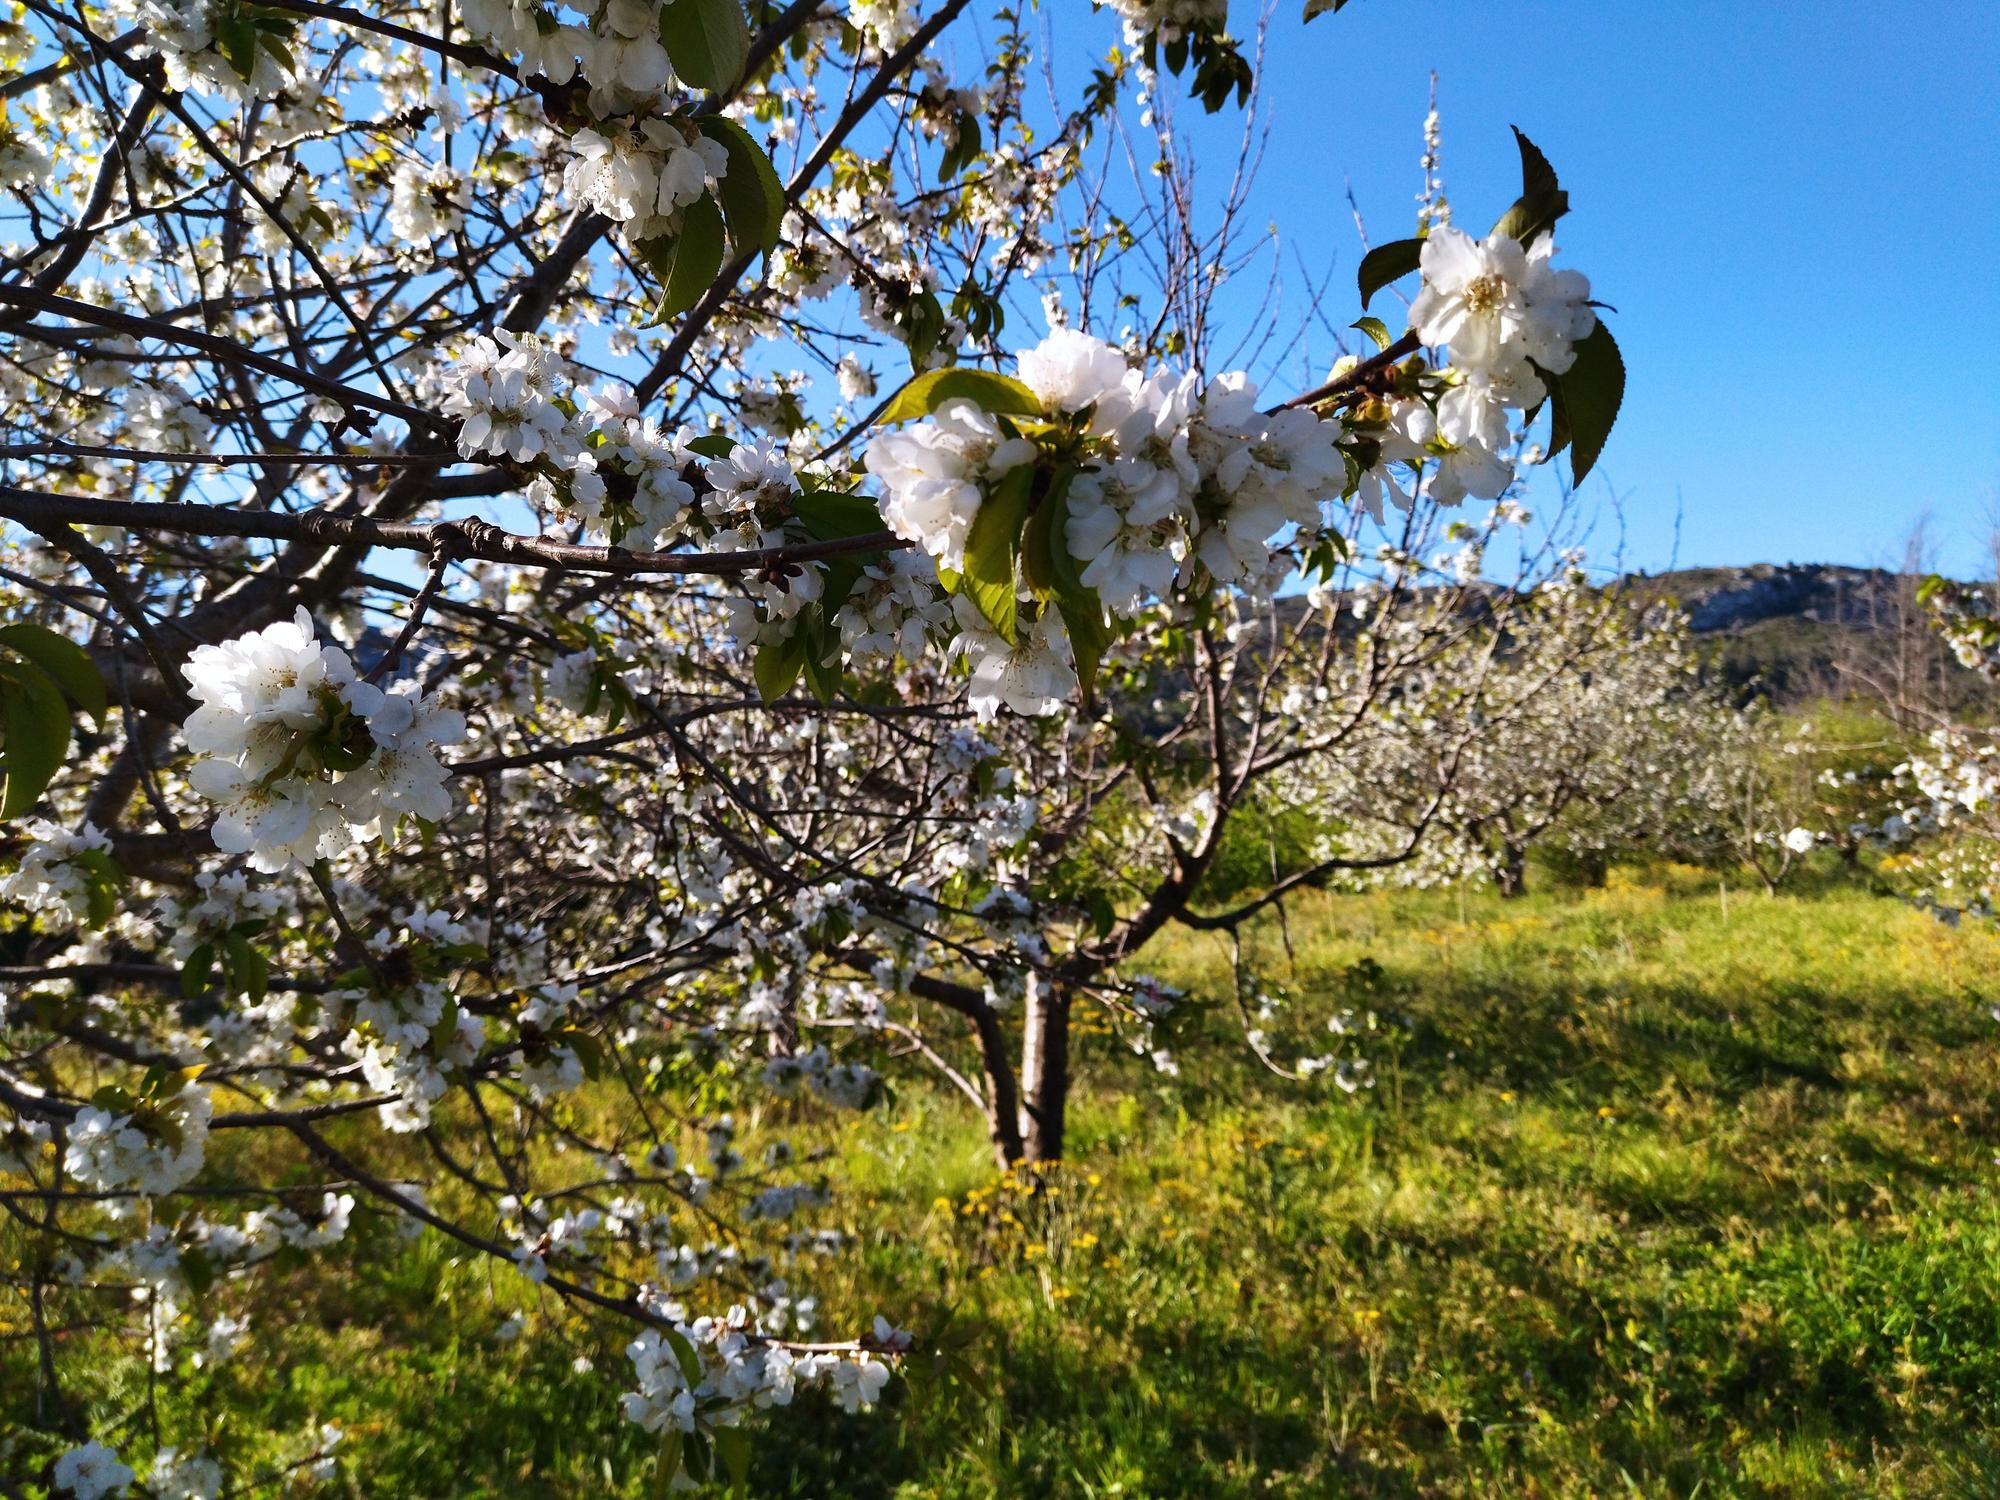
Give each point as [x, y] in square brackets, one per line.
[303, 758]
[742, 1369]
[1182, 485]
[61, 872]
[1507, 315]
[153, 1147]
[1168, 19]
[849, 1085]
[643, 175]
[1964, 617]
[618, 53]
[516, 398]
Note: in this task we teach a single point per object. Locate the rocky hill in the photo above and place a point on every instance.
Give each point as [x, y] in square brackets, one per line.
[1805, 630]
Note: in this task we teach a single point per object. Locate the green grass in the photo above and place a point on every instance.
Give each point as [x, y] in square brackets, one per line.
[1651, 1199]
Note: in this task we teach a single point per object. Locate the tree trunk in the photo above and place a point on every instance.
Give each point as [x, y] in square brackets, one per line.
[1596, 868]
[1044, 1070]
[1511, 874]
[1003, 1097]
[1003, 1108]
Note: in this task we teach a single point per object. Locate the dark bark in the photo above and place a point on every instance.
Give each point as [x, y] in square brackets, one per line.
[1004, 1115]
[1044, 1071]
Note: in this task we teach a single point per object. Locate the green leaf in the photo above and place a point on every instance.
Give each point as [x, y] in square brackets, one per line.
[778, 665]
[280, 53]
[921, 321]
[696, 1456]
[964, 150]
[687, 265]
[249, 969]
[1089, 637]
[668, 1467]
[68, 663]
[822, 667]
[714, 445]
[103, 883]
[588, 1049]
[706, 40]
[445, 1031]
[1317, 8]
[198, 1271]
[684, 1356]
[1103, 915]
[1538, 177]
[194, 973]
[1586, 398]
[992, 546]
[1062, 562]
[842, 573]
[236, 40]
[732, 1447]
[753, 200]
[1387, 263]
[831, 514]
[1542, 199]
[1045, 555]
[1001, 395]
[1376, 329]
[37, 724]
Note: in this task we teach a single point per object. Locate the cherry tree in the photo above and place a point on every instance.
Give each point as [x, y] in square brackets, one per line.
[1941, 829]
[1553, 713]
[547, 592]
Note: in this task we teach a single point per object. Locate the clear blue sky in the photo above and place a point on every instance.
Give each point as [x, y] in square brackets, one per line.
[1795, 209]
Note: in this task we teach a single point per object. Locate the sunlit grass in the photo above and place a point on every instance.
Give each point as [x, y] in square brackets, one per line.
[1661, 1191]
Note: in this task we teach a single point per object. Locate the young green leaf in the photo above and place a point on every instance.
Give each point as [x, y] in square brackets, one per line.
[732, 1447]
[1587, 397]
[822, 663]
[198, 1271]
[103, 883]
[830, 514]
[778, 665]
[1376, 329]
[1082, 611]
[196, 970]
[688, 264]
[1542, 199]
[68, 663]
[1045, 554]
[1001, 395]
[1387, 263]
[921, 321]
[236, 40]
[37, 723]
[1089, 638]
[991, 548]
[667, 1467]
[706, 40]
[753, 200]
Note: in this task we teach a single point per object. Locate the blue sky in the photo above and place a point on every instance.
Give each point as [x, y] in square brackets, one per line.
[1795, 209]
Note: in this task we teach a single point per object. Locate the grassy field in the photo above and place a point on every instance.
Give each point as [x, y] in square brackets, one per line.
[1658, 1194]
